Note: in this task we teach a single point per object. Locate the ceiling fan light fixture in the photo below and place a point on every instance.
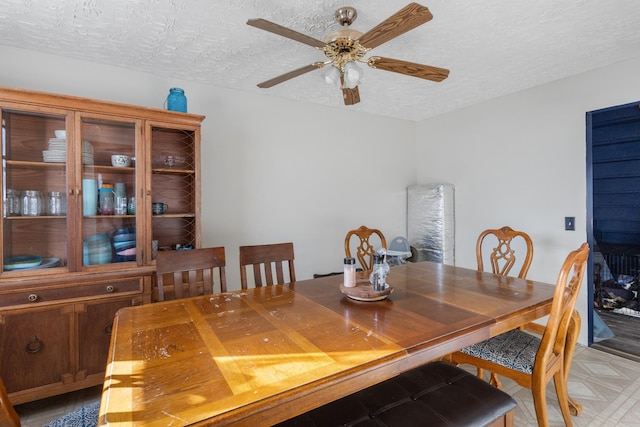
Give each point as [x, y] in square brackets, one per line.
[331, 75]
[352, 74]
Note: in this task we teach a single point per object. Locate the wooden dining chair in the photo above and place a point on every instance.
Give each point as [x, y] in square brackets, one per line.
[532, 361]
[8, 416]
[365, 249]
[266, 260]
[502, 256]
[189, 273]
[502, 249]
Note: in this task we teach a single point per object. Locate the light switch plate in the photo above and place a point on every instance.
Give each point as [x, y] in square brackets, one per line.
[570, 223]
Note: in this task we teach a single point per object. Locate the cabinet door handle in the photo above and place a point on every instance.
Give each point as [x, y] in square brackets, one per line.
[110, 289]
[108, 328]
[34, 345]
[32, 297]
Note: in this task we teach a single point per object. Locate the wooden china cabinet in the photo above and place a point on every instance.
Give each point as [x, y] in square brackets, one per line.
[67, 266]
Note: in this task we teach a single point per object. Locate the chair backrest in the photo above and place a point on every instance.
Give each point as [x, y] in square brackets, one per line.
[8, 416]
[502, 257]
[265, 260]
[554, 339]
[365, 248]
[193, 269]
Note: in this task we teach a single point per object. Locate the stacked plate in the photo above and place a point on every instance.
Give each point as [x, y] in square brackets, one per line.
[57, 152]
[34, 262]
[22, 262]
[124, 242]
[97, 250]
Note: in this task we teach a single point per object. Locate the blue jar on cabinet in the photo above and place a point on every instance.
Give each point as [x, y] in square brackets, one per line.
[177, 101]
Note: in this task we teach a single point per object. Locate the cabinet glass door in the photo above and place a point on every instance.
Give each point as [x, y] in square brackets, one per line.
[34, 190]
[108, 152]
[174, 185]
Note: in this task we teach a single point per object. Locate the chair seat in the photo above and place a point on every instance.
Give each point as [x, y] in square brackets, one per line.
[514, 349]
[435, 394]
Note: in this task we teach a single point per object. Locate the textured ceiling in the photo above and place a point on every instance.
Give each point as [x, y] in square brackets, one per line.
[492, 47]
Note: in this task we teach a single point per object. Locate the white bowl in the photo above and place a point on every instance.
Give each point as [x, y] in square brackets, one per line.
[61, 134]
[120, 160]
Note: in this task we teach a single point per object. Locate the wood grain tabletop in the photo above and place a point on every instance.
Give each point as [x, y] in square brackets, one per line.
[263, 355]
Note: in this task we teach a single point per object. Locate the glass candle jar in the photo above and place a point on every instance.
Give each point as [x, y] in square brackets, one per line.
[12, 203]
[107, 200]
[57, 203]
[31, 203]
[120, 194]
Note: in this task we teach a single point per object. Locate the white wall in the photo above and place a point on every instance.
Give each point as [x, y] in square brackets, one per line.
[276, 170]
[273, 170]
[520, 160]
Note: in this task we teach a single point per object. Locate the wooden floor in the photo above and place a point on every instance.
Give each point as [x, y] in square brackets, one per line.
[626, 342]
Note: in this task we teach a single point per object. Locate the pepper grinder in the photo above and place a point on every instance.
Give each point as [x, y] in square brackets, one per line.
[378, 276]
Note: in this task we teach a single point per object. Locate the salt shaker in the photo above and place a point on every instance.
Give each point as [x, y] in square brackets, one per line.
[349, 272]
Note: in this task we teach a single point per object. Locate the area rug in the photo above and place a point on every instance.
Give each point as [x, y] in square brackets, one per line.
[87, 416]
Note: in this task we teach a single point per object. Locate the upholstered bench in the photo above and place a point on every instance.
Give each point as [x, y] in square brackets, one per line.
[436, 394]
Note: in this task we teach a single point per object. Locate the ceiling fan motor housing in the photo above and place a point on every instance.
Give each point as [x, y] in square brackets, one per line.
[346, 15]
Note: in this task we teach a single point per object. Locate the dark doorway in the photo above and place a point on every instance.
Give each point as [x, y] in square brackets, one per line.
[613, 218]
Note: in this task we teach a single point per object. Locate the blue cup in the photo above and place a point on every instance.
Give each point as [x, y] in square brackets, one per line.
[89, 197]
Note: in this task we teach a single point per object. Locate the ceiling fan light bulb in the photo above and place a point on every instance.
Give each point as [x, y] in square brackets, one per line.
[352, 74]
[331, 75]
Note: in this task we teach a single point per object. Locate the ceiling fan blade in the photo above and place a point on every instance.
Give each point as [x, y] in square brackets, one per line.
[427, 72]
[263, 24]
[407, 18]
[351, 96]
[291, 74]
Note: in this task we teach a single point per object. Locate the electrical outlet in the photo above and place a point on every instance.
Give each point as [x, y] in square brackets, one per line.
[570, 223]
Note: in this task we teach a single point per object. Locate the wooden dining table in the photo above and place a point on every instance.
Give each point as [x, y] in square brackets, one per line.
[260, 356]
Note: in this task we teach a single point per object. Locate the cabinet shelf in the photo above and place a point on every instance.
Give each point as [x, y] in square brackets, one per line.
[109, 169]
[34, 217]
[109, 216]
[174, 171]
[30, 164]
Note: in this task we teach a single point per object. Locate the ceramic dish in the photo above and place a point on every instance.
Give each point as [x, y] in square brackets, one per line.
[127, 252]
[22, 262]
[123, 246]
[128, 237]
[48, 263]
[120, 160]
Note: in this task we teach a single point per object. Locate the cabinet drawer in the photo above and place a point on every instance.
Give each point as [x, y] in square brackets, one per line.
[71, 291]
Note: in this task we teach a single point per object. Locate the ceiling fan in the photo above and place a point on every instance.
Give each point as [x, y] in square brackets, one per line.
[345, 48]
